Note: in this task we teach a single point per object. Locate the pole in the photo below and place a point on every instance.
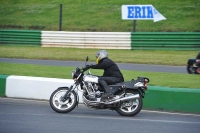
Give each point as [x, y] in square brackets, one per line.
[60, 20]
[134, 25]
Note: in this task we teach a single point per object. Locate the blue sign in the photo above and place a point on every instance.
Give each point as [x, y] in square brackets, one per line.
[141, 12]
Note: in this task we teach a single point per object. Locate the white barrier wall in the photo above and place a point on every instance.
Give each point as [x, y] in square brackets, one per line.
[35, 87]
[100, 40]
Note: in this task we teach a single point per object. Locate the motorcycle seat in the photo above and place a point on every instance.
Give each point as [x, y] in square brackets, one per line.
[128, 84]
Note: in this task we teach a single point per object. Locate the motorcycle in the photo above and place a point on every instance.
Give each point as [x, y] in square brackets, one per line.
[193, 66]
[127, 99]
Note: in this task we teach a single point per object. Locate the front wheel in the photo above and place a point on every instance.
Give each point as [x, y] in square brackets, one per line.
[132, 107]
[190, 69]
[60, 106]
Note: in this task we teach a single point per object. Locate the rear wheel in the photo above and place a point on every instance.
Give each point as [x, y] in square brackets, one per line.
[60, 106]
[198, 70]
[132, 107]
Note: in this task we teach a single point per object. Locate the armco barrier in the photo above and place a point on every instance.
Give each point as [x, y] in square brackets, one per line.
[100, 40]
[3, 84]
[165, 40]
[33, 87]
[157, 98]
[27, 37]
[172, 99]
[104, 40]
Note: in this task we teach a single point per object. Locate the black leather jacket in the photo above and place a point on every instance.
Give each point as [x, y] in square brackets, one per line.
[110, 69]
[198, 56]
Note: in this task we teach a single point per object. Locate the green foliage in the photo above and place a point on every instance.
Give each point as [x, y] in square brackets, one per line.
[96, 15]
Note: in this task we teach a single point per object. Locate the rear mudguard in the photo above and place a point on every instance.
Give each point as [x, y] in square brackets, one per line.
[139, 90]
[118, 89]
[130, 86]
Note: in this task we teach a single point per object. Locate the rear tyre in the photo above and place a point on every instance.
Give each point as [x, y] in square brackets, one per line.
[198, 70]
[60, 106]
[132, 107]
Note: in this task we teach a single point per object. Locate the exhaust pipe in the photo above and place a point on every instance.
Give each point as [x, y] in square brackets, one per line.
[133, 97]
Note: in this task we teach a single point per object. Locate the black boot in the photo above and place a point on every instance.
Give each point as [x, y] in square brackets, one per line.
[107, 95]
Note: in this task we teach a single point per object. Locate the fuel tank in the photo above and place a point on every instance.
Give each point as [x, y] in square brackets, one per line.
[90, 78]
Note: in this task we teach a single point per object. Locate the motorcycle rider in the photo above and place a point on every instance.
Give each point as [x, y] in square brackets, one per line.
[111, 74]
[198, 56]
[198, 63]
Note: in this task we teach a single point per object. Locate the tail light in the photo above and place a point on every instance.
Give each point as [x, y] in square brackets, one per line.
[198, 61]
[145, 84]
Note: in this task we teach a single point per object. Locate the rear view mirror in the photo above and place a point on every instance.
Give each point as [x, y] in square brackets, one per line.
[87, 58]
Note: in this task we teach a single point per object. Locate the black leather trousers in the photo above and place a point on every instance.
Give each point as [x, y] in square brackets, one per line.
[105, 81]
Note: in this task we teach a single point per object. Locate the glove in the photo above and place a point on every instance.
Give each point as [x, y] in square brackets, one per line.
[87, 67]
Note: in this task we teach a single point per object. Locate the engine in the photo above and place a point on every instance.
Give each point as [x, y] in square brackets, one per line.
[91, 91]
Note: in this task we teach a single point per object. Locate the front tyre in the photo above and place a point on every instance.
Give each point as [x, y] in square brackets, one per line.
[190, 69]
[60, 106]
[132, 107]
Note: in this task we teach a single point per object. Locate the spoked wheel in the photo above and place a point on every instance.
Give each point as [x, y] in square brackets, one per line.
[60, 106]
[190, 69]
[132, 107]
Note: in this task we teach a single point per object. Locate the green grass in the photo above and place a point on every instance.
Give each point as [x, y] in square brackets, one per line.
[160, 57]
[165, 57]
[96, 15]
[156, 78]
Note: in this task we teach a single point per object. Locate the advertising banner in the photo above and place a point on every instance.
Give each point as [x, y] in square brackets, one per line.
[141, 12]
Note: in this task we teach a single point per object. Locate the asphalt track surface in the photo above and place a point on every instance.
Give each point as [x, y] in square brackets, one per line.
[31, 116]
[122, 66]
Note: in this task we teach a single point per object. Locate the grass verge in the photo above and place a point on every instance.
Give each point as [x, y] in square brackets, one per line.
[159, 57]
[156, 78]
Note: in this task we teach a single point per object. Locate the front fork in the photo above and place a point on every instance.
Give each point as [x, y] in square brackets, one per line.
[66, 96]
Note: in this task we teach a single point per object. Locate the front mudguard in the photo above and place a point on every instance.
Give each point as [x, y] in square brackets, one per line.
[191, 61]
